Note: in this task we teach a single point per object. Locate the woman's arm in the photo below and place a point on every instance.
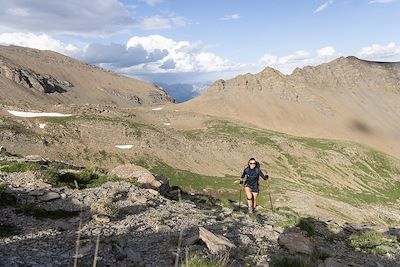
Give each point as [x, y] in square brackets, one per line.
[244, 173]
[265, 177]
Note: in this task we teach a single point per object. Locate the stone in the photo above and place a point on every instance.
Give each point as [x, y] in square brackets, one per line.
[139, 174]
[49, 196]
[101, 218]
[34, 158]
[37, 193]
[153, 192]
[215, 243]
[296, 243]
[163, 228]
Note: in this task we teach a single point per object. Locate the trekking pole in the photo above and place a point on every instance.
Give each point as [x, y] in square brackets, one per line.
[269, 193]
[240, 195]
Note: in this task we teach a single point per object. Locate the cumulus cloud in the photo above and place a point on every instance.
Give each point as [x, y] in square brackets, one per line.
[231, 17]
[72, 17]
[323, 6]
[168, 64]
[269, 59]
[159, 22]
[389, 52]
[300, 58]
[183, 56]
[326, 51]
[119, 56]
[38, 41]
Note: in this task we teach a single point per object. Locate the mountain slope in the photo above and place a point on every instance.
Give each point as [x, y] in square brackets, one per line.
[347, 98]
[45, 77]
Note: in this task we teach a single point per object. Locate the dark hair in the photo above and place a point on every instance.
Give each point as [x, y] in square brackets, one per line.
[248, 163]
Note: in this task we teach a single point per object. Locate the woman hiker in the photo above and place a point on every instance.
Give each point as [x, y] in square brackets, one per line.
[251, 185]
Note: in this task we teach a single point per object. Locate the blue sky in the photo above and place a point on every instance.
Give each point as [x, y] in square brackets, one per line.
[191, 41]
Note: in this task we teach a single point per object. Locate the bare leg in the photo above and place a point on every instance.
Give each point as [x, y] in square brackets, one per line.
[255, 200]
[249, 196]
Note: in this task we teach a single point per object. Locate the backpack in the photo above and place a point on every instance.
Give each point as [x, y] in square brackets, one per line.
[258, 167]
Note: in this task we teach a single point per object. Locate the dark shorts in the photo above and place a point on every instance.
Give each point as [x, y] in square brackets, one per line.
[254, 188]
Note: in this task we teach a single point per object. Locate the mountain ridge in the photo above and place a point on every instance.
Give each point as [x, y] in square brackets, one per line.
[85, 83]
[347, 98]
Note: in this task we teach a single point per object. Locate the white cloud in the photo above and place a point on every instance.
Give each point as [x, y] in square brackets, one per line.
[183, 56]
[66, 17]
[381, 52]
[158, 22]
[119, 56]
[298, 56]
[152, 2]
[269, 59]
[40, 41]
[298, 59]
[231, 17]
[323, 6]
[326, 51]
[381, 1]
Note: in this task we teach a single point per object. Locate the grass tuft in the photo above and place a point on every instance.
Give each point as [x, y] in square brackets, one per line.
[368, 241]
[13, 166]
[307, 225]
[86, 178]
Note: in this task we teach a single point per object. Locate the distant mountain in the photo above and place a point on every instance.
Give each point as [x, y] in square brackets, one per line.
[44, 77]
[183, 92]
[347, 98]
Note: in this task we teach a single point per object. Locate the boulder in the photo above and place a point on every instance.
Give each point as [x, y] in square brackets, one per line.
[141, 175]
[153, 192]
[49, 196]
[215, 243]
[296, 243]
[34, 158]
[101, 218]
[37, 192]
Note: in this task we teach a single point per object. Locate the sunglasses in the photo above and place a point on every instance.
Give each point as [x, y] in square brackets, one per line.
[252, 163]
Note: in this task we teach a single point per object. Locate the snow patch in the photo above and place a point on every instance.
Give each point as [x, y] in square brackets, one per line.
[167, 123]
[160, 108]
[124, 146]
[37, 114]
[42, 125]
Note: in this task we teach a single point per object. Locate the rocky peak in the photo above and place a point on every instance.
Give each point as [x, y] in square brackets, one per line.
[268, 71]
[29, 79]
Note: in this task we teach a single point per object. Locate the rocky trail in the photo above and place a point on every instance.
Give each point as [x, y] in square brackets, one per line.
[133, 218]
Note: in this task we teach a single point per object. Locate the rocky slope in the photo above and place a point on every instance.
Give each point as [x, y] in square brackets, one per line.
[37, 78]
[324, 178]
[46, 224]
[347, 98]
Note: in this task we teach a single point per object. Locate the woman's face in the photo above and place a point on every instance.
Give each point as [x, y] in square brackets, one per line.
[252, 164]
